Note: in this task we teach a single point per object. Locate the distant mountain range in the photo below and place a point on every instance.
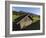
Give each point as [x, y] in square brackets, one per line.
[22, 12]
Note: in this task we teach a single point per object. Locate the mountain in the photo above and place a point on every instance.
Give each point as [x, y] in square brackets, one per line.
[22, 12]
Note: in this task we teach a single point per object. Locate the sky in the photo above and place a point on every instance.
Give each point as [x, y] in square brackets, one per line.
[27, 9]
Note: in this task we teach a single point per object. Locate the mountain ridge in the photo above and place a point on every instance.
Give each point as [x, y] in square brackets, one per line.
[22, 12]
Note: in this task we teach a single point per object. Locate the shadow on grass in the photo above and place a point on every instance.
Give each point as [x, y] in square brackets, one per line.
[33, 26]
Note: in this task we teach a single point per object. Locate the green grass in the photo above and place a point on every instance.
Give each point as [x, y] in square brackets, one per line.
[35, 18]
[15, 17]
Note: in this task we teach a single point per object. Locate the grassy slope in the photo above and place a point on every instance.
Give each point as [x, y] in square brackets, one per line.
[14, 17]
[35, 18]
